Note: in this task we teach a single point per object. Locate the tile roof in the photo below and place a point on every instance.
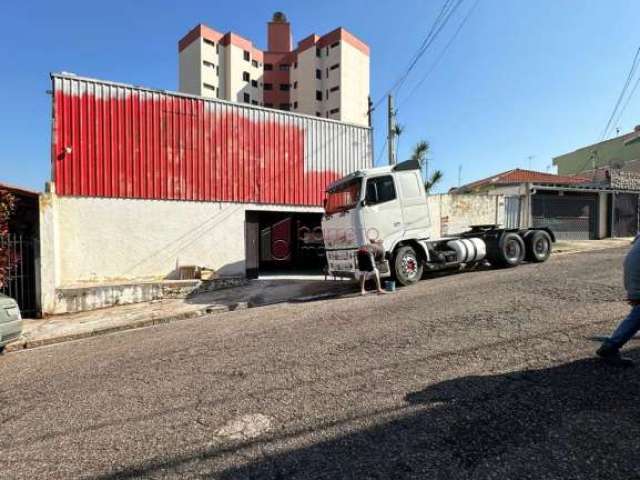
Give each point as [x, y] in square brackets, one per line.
[518, 175]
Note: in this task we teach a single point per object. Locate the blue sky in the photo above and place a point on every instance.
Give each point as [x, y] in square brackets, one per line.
[523, 78]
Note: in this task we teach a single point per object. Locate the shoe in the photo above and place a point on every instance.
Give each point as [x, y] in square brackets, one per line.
[612, 357]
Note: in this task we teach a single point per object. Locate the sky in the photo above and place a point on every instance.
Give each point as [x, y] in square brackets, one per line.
[523, 81]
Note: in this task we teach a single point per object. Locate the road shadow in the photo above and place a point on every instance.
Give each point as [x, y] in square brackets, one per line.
[577, 420]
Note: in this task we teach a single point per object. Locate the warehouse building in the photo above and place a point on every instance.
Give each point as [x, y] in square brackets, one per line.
[146, 183]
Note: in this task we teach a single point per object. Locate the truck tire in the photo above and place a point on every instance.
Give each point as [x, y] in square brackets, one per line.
[538, 245]
[511, 250]
[407, 267]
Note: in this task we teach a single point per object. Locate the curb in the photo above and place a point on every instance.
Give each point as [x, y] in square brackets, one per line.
[25, 344]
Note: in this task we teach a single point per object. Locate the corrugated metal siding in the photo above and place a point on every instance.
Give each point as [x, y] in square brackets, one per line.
[119, 141]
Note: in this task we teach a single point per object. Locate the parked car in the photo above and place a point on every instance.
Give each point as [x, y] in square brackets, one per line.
[10, 321]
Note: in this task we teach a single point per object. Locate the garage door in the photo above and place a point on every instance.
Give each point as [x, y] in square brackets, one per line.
[626, 215]
[570, 217]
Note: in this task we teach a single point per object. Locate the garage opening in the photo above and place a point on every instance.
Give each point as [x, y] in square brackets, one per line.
[284, 242]
[569, 215]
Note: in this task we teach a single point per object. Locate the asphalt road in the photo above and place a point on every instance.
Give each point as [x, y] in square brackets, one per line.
[484, 374]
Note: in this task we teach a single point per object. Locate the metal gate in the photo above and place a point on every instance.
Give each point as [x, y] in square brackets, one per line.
[512, 212]
[570, 217]
[20, 283]
[625, 215]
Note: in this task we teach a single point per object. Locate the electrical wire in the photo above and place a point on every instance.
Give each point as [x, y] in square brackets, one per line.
[443, 17]
[630, 75]
[442, 54]
[626, 103]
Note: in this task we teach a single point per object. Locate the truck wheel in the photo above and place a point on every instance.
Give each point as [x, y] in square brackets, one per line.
[511, 250]
[407, 267]
[538, 245]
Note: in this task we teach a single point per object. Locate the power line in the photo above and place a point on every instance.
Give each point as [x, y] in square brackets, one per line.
[626, 103]
[441, 56]
[630, 75]
[436, 27]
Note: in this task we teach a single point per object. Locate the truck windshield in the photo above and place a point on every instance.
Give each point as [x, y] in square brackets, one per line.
[343, 197]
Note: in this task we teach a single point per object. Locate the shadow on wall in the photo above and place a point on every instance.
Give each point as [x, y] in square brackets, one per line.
[576, 420]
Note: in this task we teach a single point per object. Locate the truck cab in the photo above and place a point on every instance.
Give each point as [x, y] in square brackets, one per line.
[386, 204]
[389, 205]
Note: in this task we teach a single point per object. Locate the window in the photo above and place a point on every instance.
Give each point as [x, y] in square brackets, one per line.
[247, 98]
[318, 95]
[245, 76]
[327, 51]
[333, 67]
[334, 111]
[326, 94]
[268, 86]
[318, 73]
[246, 55]
[295, 105]
[295, 65]
[268, 105]
[210, 87]
[254, 102]
[335, 89]
[380, 189]
[254, 83]
[218, 48]
[343, 197]
[284, 67]
[254, 63]
[318, 52]
[295, 85]
[217, 71]
[268, 66]
[327, 73]
[285, 87]
[318, 114]
[208, 64]
[285, 106]
[335, 44]
[209, 42]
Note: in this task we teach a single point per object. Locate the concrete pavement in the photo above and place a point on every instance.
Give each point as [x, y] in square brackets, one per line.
[485, 374]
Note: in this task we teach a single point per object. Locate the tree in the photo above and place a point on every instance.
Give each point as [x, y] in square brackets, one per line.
[419, 154]
[7, 205]
[433, 179]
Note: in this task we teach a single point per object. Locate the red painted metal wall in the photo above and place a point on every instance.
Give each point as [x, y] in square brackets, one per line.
[119, 141]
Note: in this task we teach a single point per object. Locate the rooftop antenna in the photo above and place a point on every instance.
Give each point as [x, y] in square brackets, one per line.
[530, 157]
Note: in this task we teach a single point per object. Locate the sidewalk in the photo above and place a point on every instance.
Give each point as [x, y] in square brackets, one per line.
[268, 291]
[62, 328]
[574, 246]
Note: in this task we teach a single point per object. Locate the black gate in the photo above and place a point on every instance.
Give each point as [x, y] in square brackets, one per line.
[570, 217]
[20, 281]
[625, 215]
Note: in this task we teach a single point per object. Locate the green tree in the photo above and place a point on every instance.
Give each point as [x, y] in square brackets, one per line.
[420, 154]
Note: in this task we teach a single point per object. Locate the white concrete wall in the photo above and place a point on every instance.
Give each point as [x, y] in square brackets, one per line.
[190, 69]
[99, 240]
[354, 84]
[451, 214]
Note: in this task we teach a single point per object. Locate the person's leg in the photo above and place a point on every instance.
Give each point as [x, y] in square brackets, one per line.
[626, 330]
[610, 348]
[378, 283]
[363, 279]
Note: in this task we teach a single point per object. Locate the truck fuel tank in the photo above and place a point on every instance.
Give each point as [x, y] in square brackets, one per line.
[468, 249]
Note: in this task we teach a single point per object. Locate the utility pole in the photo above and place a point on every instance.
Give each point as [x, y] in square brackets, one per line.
[369, 109]
[392, 130]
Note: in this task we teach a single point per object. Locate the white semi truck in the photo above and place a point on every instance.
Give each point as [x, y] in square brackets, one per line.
[389, 205]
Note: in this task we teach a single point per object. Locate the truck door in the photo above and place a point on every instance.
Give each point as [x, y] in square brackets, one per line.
[381, 214]
[413, 200]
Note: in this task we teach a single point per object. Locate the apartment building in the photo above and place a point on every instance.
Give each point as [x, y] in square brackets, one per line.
[326, 76]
